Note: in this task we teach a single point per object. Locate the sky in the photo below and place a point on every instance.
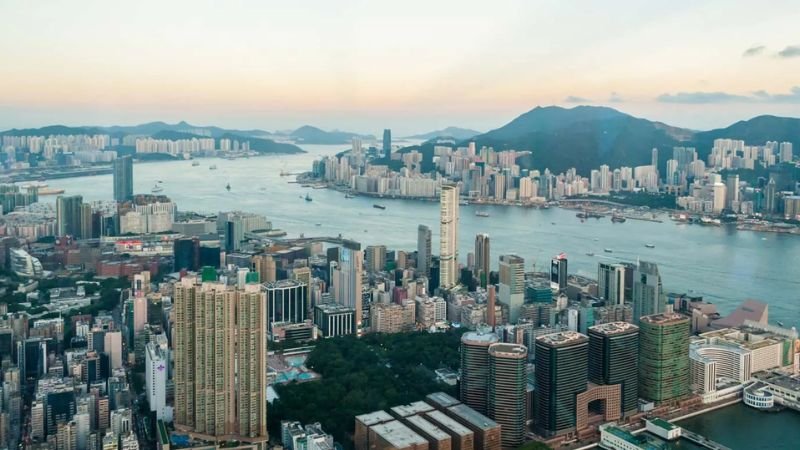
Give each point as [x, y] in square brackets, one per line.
[411, 65]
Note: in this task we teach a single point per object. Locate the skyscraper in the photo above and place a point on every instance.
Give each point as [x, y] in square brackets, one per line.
[123, 179]
[611, 283]
[561, 374]
[512, 285]
[375, 257]
[482, 258]
[507, 386]
[448, 249]
[68, 215]
[648, 295]
[220, 354]
[614, 359]
[346, 279]
[387, 142]
[186, 254]
[475, 369]
[558, 272]
[287, 301]
[664, 357]
[424, 250]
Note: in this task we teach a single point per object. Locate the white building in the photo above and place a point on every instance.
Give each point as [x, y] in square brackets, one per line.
[156, 371]
[448, 248]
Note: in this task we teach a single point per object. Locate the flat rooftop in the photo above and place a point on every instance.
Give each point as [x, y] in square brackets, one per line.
[664, 318]
[562, 338]
[445, 400]
[446, 422]
[473, 417]
[663, 424]
[332, 308]
[374, 418]
[479, 338]
[428, 428]
[612, 328]
[398, 435]
[508, 350]
[411, 409]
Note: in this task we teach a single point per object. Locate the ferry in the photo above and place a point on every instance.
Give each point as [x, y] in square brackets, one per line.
[378, 206]
[156, 189]
[709, 221]
[650, 245]
[481, 213]
[589, 254]
[608, 250]
[617, 219]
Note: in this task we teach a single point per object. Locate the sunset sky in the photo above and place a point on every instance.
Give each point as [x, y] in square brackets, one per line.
[409, 65]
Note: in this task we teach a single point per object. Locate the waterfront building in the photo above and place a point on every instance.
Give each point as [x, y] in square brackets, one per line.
[123, 179]
[220, 353]
[448, 251]
[648, 292]
[614, 359]
[512, 285]
[475, 369]
[482, 259]
[507, 391]
[664, 372]
[424, 250]
[611, 283]
[561, 374]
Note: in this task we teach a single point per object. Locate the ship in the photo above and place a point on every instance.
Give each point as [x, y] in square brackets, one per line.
[308, 198]
[50, 191]
[212, 167]
[195, 163]
[709, 221]
[348, 196]
[608, 250]
[590, 254]
[481, 213]
[616, 218]
[650, 245]
[378, 206]
[228, 186]
[156, 189]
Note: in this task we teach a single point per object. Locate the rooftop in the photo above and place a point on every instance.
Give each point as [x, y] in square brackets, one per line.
[442, 399]
[334, 308]
[562, 338]
[663, 424]
[474, 417]
[398, 435]
[508, 350]
[411, 409]
[614, 328]
[474, 337]
[428, 428]
[664, 318]
[375, 417]
[446, 422]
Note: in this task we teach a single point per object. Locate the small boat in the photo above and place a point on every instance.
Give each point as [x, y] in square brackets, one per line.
[617, 219]
[228, 186]
[308, 198]
[377, 206]
[481, 213]
[589, 254]
[195, 163]
[212, 167]
[596, 239]
[156, 189]
[318, 224]
[463, 203]
[159, 181]
[552, 223]
[348, 196]
[608, 250]
[780, 324]
[650, 245]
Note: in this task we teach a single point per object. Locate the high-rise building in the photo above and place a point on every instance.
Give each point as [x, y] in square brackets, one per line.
[561, 374]
[482, 259]
[448, 248]
[614, 359]
[287, 301]
[648, 292]
[156, 367]
[664, 372]
[333, 319]
[375, 258]
[475, 369]
[731, 190]
[220, 353]
[68, 215]
[123, 179]
[558, 272]
[346, 278]
[507, 391]
[186, 254]
[264, 265]
[424, 250]
[611, 283]
[387, 142]
[87, 222]
[512, 285]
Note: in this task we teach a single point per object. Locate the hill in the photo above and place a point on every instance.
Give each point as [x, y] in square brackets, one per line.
[151, 128]
[51, 130]
[313, 135]
[755, 131]
[264, 146]
[456, 133]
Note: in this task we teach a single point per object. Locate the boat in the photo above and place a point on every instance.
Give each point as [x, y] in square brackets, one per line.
[463, 203]
[228, 186]
[156, 189]
[650, 245]
[212, 167]
[608, 250]
[481, 213]
[308, 198]
[195, 163]
[348, 196]
[709, 221]
[50, 191]
[589, 254]
[318, 224]
[377, 206]
[780, 324]
[616, 218]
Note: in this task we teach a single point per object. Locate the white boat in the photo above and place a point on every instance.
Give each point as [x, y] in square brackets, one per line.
[650, 245]
[212, 167]
[195, 163]
[481, 213]
[608, 250]
[156, 189]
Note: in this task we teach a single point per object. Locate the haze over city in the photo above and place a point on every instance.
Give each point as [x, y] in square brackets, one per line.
[414, 65]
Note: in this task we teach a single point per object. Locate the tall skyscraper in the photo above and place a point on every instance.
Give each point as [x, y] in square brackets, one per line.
[654, 158]
[558, 272]
[68, 215]
[512, 285]
[611, 283]
[220, 353]
[186, 254]
[123, 179]
[561, 374]
[375, 256]
[448, 248]
[648, 293]
[475, 369]
[387, 142]
[346, 279]
[731, 190]
[482, 259]
[424, 250]
[507, 386]
[664, 357]
[614, 359]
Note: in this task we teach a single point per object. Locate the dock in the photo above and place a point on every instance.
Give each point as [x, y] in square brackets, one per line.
[701, 440]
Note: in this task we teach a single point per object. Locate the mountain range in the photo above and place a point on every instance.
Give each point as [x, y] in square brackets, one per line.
[456, 133]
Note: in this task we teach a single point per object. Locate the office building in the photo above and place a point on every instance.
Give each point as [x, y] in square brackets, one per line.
[375, 256]
[558, 272]
[346, 278]
[507, 391]
[448, 250]
[648, 293]
[186, 254]
[512, 285]
[68, 215]
[220, 354]
[664, 372]
[424, 250]
[475, 369]
[611, 283]
[264, 265]
[482, 259]
[156, 368]
[287, 302]
[561, 374]
[387, 142]
[334, 319]
[123, 179]
[614, 359]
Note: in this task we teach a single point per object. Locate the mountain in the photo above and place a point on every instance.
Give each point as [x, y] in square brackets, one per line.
[755, 131]
[456, 133]
[151, 128]
[51, 130]
[264, 145]
[313, 135]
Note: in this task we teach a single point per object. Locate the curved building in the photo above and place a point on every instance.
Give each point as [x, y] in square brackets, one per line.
[507, 363]
[475, 369]
[23, 264]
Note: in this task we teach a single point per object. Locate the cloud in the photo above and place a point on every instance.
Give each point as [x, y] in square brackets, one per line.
[761, 96]
[615, 98]
[791, 51]
[574, 99]
[754, 51]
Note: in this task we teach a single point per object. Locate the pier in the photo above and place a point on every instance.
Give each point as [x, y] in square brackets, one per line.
[701, 440]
